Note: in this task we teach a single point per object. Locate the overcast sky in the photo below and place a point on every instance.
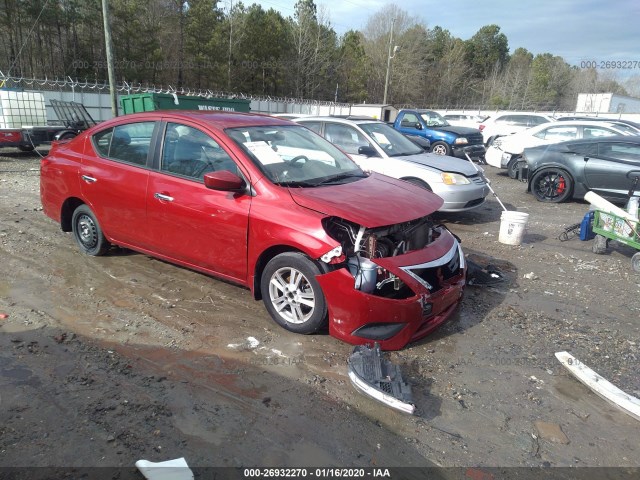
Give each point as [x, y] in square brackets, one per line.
[577, 30]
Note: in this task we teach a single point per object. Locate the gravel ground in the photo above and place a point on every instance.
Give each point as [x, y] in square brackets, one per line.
[127, 357]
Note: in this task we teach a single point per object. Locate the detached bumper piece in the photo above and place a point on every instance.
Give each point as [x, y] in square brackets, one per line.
[483, 276]
[379, 378]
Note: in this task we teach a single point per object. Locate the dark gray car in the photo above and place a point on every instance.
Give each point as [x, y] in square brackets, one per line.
[566, 170]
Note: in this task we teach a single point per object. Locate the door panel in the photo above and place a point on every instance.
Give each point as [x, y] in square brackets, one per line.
[114, 183]
[189, 222]
[203, 227]
[606, 173]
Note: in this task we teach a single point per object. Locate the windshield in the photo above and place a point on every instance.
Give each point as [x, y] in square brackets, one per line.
[390, 140]
[434, 119]
[293, 155]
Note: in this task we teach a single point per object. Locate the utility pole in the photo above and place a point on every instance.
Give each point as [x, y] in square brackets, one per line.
[109, 51]
[386, 82]
[230, 45]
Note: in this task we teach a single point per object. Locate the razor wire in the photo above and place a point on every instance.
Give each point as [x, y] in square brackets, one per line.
[75, 85]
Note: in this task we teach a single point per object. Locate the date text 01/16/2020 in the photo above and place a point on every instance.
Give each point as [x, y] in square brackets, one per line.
[316, 473]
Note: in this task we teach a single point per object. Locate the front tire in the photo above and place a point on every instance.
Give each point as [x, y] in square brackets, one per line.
[26, 148]
[87, 232]
[292, 295]
[440, 148]
[552, 185]
[512, 166]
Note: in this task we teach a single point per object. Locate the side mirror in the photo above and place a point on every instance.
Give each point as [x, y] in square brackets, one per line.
[367, 151]
[418, 126]
[225, 181]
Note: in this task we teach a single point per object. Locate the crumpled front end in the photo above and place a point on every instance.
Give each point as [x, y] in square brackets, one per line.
[395, 284]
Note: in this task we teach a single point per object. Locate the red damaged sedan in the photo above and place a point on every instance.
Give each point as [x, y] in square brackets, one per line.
[269, 205]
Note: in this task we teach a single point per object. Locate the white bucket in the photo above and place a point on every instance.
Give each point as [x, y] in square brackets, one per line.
[512, 227]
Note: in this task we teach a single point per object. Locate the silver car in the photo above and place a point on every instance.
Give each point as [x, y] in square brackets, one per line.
[377, 147]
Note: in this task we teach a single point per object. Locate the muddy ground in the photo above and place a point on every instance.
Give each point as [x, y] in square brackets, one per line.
[104, 361]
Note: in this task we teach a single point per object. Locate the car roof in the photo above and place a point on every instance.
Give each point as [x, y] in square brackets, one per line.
[346, 121]
[610, 138]
[576, 122]
[599, 119]
[516, 114]
[217, 119]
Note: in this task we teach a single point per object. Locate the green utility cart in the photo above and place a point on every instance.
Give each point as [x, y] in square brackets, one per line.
[149, 102]
[611, 227]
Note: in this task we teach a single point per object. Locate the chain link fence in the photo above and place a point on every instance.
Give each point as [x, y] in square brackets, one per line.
[94, 95]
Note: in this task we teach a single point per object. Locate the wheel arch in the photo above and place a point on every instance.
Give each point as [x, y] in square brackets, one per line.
[264, 258]
[411, 178]
[66, 212]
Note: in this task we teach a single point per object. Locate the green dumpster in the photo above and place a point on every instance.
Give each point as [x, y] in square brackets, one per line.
[148, 102]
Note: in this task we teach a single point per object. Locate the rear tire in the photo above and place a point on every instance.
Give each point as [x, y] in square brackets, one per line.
[87, 232]
[635, 262]
[26, 148]
[512, 167]
[292, 295]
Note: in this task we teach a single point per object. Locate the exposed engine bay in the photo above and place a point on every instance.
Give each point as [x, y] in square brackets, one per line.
[380, 242]
[360, 245]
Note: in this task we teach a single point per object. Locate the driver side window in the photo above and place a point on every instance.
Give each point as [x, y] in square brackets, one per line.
[409, 121]
[347, 138]
[191, 153]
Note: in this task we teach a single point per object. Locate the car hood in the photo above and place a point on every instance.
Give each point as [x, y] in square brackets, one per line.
[441, 162]
[462, 131]
[374, 201]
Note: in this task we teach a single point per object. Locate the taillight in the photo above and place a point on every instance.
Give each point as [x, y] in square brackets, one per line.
[12, 136]
[481, 127]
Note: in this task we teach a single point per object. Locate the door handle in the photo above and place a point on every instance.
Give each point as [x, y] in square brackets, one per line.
[89, 179]
[165, 198]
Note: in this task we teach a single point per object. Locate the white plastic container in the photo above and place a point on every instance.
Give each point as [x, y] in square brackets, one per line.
[633, 205]
[512, 227]
[22, 109]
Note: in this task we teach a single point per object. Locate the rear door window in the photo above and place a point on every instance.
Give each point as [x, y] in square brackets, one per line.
[128, 143]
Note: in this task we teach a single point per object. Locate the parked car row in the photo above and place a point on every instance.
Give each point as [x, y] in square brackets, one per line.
[566, 159]
[506, 151]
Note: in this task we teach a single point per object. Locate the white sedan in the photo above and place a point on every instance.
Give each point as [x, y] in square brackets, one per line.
[377, 147]
[506, 151]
